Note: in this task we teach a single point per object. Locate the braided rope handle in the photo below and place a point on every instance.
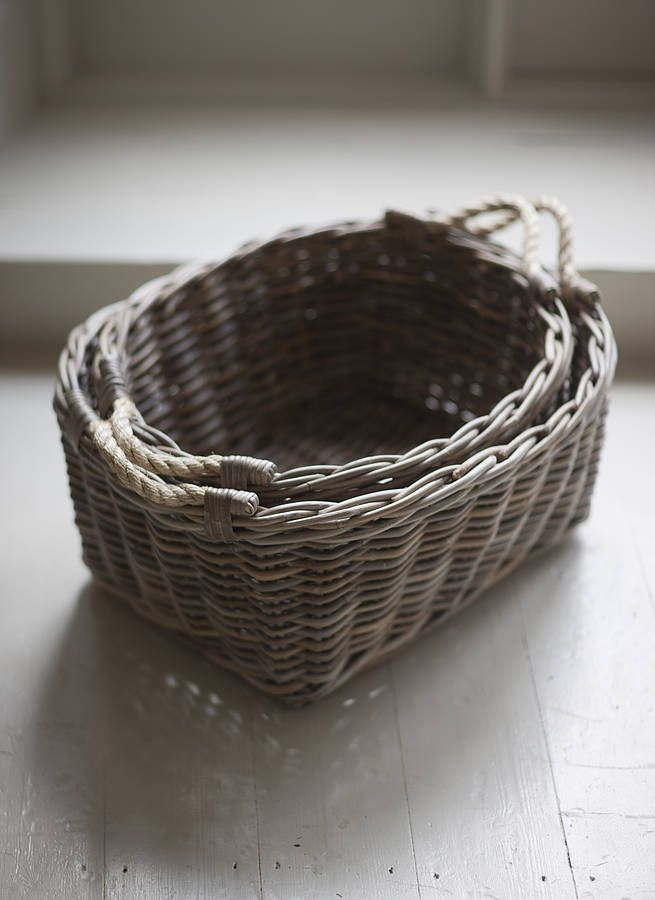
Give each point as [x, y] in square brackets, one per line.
[221, 505]
[234, 471]
[509, 208]
[142, 468]
[136, 466]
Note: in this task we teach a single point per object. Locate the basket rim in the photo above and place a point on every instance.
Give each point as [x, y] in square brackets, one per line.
[439, 486]
[507, 416]
[335, 522]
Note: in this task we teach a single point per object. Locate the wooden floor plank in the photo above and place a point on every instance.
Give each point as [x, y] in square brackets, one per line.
[51, 842]
[121, 749]
[180, 803]
[590, 624]
[483, 809]
[331, 797]
[613, 856]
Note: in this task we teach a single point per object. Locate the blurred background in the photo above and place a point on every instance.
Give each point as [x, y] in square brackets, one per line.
[138, 134]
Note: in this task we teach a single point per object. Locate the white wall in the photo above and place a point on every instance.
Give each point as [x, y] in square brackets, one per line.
[18, 62]
[36, 56]
[601, 37]
[56, 36]
[258, 36]
[589, 37]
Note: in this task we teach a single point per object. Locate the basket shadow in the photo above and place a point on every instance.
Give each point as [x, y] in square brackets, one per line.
[152, 731]
[166, 744]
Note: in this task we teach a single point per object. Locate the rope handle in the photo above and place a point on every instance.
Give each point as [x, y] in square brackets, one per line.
[511, 207]
[233, 471]
[116, 405]
[221, 505]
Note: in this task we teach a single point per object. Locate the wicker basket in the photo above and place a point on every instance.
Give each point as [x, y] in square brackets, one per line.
[434, 405]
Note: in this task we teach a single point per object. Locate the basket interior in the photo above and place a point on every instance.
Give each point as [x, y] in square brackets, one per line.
[328, 347]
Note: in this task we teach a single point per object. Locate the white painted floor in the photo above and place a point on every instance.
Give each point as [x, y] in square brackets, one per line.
[510, 754]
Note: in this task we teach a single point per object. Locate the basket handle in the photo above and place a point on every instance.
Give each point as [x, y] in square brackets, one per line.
[237, 472]
[221, 505]
[233, 471]
[509, 208]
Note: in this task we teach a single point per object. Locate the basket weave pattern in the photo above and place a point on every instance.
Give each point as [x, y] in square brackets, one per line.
[434, 405]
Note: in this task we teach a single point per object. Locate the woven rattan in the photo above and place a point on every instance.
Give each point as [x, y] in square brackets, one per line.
[433, 405]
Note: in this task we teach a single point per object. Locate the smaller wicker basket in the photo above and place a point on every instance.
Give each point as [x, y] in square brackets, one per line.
[433, 403]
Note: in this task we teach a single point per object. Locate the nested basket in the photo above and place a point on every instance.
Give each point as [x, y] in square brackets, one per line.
[434, 406]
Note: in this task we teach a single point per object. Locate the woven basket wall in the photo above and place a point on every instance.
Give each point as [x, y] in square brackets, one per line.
[307, 454]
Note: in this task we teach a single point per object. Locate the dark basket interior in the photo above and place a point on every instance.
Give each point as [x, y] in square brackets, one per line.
[327, 347]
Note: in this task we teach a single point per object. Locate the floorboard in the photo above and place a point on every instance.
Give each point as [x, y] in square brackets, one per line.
[510, 754]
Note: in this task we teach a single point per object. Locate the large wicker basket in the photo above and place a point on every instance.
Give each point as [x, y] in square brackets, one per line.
[434, 405]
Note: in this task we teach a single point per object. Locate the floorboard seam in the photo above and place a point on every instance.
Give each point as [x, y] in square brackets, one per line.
[526, 646]
[253, 769]
[404, 773]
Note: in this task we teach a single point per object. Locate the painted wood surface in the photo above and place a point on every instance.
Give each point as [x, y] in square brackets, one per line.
[510, 754]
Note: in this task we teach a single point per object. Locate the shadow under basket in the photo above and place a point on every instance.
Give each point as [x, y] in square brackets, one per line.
[414, 411]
